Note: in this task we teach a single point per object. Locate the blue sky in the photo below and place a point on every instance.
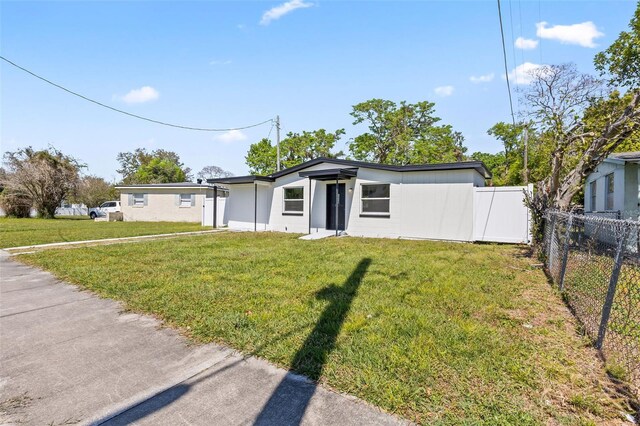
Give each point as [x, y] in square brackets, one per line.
[226, 64]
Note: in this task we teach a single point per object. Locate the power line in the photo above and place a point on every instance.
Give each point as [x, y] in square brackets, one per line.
[513, 49]
[506, 67]
[520, 13]
[540, 20]
[200, 129]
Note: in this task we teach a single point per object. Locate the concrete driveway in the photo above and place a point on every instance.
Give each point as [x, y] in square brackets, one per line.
[69, 357]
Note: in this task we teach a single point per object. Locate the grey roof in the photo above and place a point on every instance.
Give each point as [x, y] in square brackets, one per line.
[168, 185]
[626, 156]
[478, 166]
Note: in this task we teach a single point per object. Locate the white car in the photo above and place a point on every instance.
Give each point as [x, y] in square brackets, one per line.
[106, 207]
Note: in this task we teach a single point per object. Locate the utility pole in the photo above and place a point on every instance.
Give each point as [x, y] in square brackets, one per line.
[526, 155]
[278, 142]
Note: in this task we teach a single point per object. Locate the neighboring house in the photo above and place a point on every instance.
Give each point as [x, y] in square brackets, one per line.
[434, 201]
[172, 202]
[612, 189]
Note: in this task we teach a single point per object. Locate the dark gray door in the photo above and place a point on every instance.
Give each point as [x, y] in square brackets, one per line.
[331, 206]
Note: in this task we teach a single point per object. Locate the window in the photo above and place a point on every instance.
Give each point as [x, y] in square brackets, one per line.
[608, 184]
[594, 192]
[294, 200]
[185, 200]
[375, 199]
[138, 200]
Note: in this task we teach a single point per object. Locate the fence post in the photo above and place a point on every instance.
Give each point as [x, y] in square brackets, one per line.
[565, 252]
[611, 292]
[550, 242]
[553, 231]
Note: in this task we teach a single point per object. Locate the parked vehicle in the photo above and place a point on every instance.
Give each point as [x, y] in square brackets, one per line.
[106, 207]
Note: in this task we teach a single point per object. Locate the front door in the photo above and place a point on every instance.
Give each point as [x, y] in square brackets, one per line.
[331, 206]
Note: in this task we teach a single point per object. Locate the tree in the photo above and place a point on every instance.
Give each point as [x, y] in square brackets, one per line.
[403, 134]
[93, 191]
[621, 61]
[584, 125]
[158, 166]
[159, 170]
[295, 149]
[212, 172]
[557, 98]
[512, 170]
[496, 163]
[44, 178]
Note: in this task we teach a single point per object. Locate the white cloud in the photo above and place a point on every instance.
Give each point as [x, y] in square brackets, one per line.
[525, 43]
[231, 136]
[581, 34]
[523, 74]
[444, 91]
[482, 78]
[279, 11]
[220, 62]
[141, 95]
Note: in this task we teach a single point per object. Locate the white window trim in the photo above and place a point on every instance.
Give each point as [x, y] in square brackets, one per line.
[284, 200]
[381, 214]
[184, 205]
[135, 204]
[593, 187]
[609, 178]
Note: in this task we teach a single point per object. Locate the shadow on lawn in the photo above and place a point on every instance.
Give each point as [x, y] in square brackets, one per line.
[289, 401]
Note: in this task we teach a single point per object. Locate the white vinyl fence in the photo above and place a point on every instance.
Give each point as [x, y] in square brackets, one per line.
[500, 214]
[207, 214]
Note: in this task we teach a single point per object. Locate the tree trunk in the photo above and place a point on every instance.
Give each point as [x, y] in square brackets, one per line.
[599, 149]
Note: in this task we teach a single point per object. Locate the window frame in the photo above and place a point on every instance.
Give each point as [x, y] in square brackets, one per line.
[182, 203]
[378, 214]
[609, 200]
[138, 199]
[286, 212]
[593, 187]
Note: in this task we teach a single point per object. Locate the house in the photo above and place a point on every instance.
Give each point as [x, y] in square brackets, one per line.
[326, 195]
[612, 189]
[173, 202]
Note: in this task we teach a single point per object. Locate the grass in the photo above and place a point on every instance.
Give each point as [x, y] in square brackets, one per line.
[439, 333]
[23, 232]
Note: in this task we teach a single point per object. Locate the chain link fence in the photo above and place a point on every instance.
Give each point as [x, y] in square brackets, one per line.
[595, 263]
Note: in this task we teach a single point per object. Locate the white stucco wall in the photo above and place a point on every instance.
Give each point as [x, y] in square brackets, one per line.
[433, 205]
[162, 205]
[426, 204]
[240, 212]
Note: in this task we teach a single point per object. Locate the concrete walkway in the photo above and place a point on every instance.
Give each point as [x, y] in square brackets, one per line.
[67, 357]
[104, 241]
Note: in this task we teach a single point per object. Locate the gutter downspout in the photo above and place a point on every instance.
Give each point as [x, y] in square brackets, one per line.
[337, 203]
[215, 206]
[255, 207]
[309, 205]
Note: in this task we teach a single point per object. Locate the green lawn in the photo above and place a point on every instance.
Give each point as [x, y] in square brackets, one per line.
[23, 232]
[435, 332]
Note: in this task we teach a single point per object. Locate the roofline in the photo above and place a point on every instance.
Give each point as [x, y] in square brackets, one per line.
[241, 179]
[478, 166]
[161, 186]
[327, 174]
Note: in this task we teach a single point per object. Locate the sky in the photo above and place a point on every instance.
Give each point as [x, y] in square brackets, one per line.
[216, 64]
